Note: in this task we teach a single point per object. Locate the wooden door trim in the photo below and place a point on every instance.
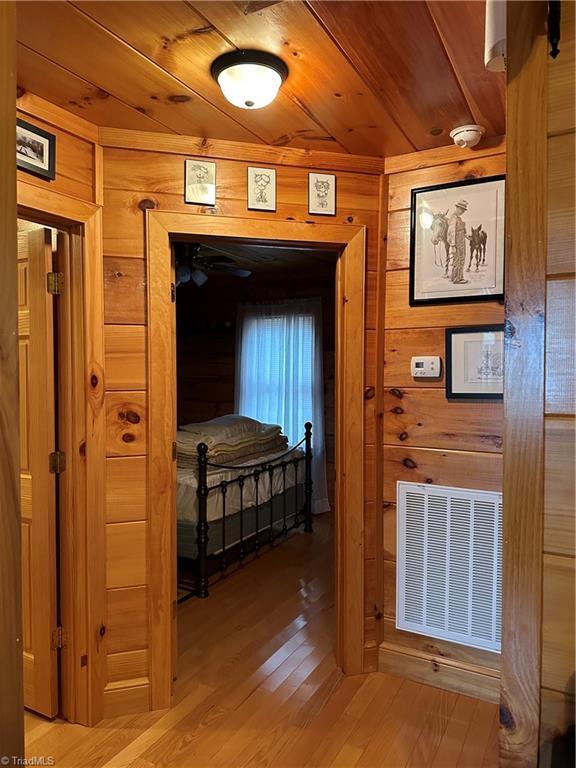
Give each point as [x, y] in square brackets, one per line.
[162, 420]
[523, 435]
[11, 691]
[84, 538]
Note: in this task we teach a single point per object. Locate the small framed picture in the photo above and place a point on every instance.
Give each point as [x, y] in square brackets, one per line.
[261, 189]
[200, 182]
[475, 362]
[322, 194]
[457, 242]
[35, 150]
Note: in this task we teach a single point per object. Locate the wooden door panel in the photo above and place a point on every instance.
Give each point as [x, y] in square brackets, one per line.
[37, 485]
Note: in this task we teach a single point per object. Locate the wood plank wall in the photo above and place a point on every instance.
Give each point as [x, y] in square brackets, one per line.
[431, 440]
[76, 150]
[557, 677]
[153, 176]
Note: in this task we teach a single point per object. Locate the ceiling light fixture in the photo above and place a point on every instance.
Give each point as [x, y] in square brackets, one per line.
[249, 79]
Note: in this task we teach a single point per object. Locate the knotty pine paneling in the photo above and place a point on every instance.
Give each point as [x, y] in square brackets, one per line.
[126, 489]
[561, 228]
[558, 623]
[427, 438]
[125, 554]
[561, 77]
[481, 683]
[125, 356]
[559, 494]
[441, 648]
[461, 469]
[398, 240]
[127, 620]
[558, 567]
[124, 291]
[121, 699]
[389, 517]
[136, 180]
[125, 424]
[399, 313]
[425, 418]
[127, 665]
[560, 347]
[401, 184]
[141, 171]
[556, 728]
[74, 163]
[399, 348]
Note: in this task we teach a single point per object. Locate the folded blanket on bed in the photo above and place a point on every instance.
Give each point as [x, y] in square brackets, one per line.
[187, 454]
[225, 429]
[188, 441]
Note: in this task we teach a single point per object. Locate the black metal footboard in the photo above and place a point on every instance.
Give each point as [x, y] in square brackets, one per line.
[247, 529]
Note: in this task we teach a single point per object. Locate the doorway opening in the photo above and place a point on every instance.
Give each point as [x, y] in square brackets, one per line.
[255, 369]
[52, 466]
[349, 242]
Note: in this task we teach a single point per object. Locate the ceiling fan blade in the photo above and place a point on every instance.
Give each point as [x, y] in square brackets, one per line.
[227, 254]
[213, 259]
[236, 271]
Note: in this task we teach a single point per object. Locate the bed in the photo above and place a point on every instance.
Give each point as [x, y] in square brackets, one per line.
[240, 488]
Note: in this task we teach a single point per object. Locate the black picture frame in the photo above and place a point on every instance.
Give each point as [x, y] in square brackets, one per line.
[479, 396]
[418, 302]
[25, 142]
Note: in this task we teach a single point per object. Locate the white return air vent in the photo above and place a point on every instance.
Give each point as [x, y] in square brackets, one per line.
[449, 564]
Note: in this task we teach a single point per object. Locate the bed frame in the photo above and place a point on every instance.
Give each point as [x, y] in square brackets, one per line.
[269, 530]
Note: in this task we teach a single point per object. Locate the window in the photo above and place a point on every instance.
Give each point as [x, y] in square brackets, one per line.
[279, 374]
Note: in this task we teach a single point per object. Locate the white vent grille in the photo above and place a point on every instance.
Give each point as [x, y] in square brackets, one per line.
[449, 564]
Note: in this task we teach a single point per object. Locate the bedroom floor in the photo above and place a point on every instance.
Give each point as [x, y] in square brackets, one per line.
[257, 686]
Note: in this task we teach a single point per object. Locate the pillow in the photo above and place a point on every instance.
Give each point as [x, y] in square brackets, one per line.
[224, 428]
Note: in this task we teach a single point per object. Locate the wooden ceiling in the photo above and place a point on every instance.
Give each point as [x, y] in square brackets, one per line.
[372, 78]
[262, 258]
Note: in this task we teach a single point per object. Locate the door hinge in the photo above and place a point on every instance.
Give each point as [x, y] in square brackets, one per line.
[172, 293]
[174, 450]
[55, 283]
[58, 638]
[57, 462]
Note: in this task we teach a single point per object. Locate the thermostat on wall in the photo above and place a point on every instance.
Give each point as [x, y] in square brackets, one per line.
[426, 367]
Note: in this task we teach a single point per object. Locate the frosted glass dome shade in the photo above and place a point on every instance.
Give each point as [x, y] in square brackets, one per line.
[249, 79]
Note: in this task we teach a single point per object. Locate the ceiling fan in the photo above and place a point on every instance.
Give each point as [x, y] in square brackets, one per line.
[194, 260]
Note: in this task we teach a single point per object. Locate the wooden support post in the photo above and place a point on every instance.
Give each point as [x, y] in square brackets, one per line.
[524, 383]
[11, 704]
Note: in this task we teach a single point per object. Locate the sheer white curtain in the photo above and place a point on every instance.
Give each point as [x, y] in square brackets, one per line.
[279, 376]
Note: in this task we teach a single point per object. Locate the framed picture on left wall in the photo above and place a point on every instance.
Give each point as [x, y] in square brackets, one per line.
[35, 150]
[200, 182]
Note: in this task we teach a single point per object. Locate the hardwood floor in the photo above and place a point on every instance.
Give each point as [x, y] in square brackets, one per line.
[258, 686]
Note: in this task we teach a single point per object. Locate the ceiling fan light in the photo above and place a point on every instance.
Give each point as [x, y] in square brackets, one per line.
[249, 79]
[199, 277]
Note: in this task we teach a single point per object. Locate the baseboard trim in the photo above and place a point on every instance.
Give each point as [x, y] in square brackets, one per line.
[480, 682]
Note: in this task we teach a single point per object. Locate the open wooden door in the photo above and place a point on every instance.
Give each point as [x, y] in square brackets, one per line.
[37, 483]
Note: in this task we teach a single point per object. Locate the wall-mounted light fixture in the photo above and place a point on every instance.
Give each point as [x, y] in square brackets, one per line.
[249, 79]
